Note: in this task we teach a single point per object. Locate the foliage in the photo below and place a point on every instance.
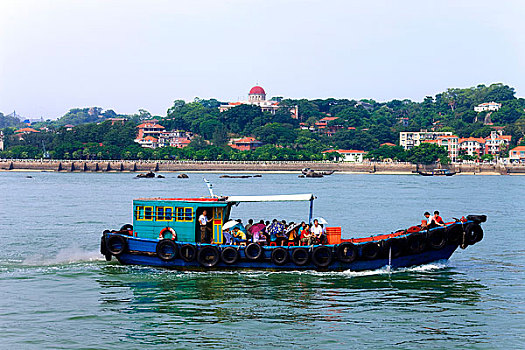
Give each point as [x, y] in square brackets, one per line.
[428, 153]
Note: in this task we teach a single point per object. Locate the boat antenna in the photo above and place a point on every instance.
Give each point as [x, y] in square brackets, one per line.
[210, 187]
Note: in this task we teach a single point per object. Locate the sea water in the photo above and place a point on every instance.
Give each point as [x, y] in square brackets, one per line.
[57, 292]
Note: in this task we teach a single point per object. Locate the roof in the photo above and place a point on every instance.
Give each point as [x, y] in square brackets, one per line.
[150, 125]
[149, 138]
[179, 199]
[329, 119]
[246, 140]
[257, 90]
[274, 198]
[27, 130]
[387, 144]
[343, 151]
[447, 137]
[475, 139]
[519, 148]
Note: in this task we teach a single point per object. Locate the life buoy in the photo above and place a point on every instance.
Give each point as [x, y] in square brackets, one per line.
[322, 256]
[437, 238]
[415, 243]
[346, 252]
[103, 249]
[188, 252]
[300, 256]
[413, 229]
[392, 247]
[279, 256]
[166, 250]
[473, 234]
[117, 244]
[229, 255]
[208, 256]
[253, 251]
[370, 250]
[168, 230]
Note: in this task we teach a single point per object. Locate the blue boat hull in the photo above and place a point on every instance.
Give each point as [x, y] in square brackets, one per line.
[142, 252]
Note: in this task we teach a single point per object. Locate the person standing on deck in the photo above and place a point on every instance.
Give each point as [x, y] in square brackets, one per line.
[205, 230]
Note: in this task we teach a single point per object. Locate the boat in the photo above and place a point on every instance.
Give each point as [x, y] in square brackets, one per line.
[165, 233]
[437, 172]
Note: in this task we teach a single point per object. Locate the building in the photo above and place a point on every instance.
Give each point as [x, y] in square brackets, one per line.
[24, 131]
[409, 140]
[322, 126]
[488, 106]
[451, 143]
[175, 138]
[348, 155]
[119, 121]
[148, 142]
[474, 146]
[389, 144]
[496, 141]
[1, 140]
[149, 128]
[245, 144]
[517, 154]
[257, 97]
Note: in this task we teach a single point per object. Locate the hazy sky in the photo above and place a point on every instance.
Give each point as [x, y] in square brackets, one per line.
[126, 55]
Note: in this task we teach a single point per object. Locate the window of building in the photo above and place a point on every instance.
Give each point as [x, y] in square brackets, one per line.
[184, 214]
[164, 213]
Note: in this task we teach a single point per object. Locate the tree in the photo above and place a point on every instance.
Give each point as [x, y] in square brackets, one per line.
[428, 153]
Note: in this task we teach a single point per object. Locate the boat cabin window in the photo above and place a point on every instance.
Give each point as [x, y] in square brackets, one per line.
[184, 214]
[143, 213]
[164, 214]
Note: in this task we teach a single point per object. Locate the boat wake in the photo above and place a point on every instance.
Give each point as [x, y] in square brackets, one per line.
[69, 255]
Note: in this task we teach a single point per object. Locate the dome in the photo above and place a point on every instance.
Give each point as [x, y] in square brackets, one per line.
[257, 90]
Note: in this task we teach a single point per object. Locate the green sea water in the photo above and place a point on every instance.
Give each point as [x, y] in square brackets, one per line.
[56, 291]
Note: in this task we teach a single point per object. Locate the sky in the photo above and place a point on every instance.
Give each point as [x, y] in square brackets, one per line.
[127, 55]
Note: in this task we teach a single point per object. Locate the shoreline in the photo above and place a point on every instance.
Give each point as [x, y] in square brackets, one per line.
[251, 167]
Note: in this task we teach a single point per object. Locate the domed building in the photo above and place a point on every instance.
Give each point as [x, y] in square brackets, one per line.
[257, 96]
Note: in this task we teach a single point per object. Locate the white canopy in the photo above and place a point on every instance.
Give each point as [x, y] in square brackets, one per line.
[275, 198]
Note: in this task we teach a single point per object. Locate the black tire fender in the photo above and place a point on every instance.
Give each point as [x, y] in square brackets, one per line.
[166, 250]
[253, 251]
[370, 250]
[279, 256]
[229, 255]
[188, 252]
[454, 233]
[346, 252]
[322, 256]
[473, 234]
[300, 256]
[127, 227]
[437, 238]
[392, 247]
[208, 256]
[415, 243]
[117, 244]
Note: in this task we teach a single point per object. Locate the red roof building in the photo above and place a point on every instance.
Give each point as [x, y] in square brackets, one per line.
[517, 154]
[245, 144]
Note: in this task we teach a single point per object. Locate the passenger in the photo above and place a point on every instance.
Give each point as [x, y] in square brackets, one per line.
[425, 224]
[259, 237]
[227, 237]
[205, 229]
[318, 231]
[250, 224]
[437, 219]
[292, 233]
[307, 237]
[238, 236]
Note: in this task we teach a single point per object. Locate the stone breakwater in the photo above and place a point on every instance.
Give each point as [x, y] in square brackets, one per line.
[231, 166]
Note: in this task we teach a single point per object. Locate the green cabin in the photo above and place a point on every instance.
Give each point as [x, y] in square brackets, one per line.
[152, 215]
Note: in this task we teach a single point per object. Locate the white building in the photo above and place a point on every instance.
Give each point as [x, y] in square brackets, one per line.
[411, 139]
[348, 155]
[488, 106]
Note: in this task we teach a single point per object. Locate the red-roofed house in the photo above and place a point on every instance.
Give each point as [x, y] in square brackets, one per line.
[323, 127]
[451, 142]
[496, 141]
[245, 144]
[349, 155]
[24, 131]
[148, 129]
[175, 138]
[517, 154]
[148, 142]
[474, 146]
[389, 144]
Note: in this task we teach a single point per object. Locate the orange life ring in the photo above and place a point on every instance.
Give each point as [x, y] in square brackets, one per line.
[168, 230]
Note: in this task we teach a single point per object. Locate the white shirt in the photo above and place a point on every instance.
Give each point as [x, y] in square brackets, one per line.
[203, 219]
[317, 230]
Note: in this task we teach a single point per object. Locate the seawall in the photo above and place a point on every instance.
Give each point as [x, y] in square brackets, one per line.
[248, 166]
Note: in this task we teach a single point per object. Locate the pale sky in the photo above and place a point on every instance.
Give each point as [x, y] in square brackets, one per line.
[130, 54]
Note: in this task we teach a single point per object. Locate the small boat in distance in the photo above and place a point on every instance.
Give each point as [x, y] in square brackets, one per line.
[437, 172]
[166, 232]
